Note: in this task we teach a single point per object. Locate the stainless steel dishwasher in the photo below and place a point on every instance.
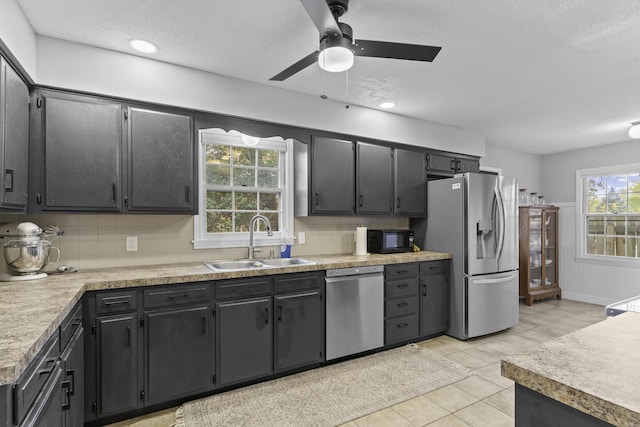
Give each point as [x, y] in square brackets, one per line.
[355, 310]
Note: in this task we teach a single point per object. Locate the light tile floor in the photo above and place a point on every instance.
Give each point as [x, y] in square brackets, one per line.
[485, 399]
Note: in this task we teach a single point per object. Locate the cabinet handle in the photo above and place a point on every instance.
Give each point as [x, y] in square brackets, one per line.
[317, 199]
[67, 404]
[186, 193]
[107, 303]
[129, 336]
[402, 304]
[453, 165]
[280, 313]
[8, 178]
[204, 325]
[403, 285]
[175, 296]
[113, 191]
[360, 200]
[71, 373]
[402, 325]
[424, 290]
[266, 317]
[47, 370]
[398, 204]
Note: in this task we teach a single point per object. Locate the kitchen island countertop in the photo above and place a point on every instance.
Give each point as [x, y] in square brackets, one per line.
[595, 370]
[30, 311]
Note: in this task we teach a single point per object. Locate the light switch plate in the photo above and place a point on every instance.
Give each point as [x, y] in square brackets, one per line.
[301, 238]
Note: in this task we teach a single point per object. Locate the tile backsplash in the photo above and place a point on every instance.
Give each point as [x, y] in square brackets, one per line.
[98, 241]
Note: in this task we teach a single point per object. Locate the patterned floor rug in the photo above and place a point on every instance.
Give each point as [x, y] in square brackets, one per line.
[330, 395]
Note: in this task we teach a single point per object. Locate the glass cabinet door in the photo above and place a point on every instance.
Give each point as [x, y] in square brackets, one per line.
[550, 248]
[535, 248]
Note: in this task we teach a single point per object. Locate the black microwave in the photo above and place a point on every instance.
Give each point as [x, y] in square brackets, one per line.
[389, 241]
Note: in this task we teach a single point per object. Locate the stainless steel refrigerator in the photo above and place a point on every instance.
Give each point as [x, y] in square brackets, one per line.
[475, 218]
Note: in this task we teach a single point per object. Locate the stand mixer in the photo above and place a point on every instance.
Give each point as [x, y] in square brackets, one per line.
[24, 251]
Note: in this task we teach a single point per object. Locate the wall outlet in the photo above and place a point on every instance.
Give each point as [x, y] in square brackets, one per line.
[132, 243]
[301, 238]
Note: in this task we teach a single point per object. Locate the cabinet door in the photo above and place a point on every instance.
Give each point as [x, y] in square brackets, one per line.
[374, 179]
[14, 138]
[244, 343]
[73, 379]
[299, 330]
[410, 183]
[434, 304]
[177, 353]
[161, 162]
[117, 363]
[332, 176]
[82, 149]
[440, 164]
[467, 165]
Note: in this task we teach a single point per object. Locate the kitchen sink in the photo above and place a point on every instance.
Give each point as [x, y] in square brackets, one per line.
[248, 264]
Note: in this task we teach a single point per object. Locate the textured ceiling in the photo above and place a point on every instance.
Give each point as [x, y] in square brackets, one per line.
[537, 76]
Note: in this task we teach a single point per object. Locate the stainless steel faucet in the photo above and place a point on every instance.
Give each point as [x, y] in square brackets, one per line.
[252, 225]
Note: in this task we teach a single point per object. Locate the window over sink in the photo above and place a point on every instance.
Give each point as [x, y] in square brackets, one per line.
[241, 176]
[608, 214]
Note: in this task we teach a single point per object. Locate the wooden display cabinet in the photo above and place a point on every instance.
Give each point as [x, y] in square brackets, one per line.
[539, 253]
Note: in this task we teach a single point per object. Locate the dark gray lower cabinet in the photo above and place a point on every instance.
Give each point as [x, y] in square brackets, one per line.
[244, 340]
[177, 353]
[117, 358]
[47, 411]
[434, 299]
[73, 380]
[298, 330]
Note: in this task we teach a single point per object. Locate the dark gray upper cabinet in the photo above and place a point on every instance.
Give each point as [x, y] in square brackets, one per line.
[77, 154]
[161, 162]
[448, 164]
[410, 183]
[332, 166]
[14, 138]
[374, 182]
[91, 154]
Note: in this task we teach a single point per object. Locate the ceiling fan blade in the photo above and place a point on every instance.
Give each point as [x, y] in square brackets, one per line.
[321, 15]
[412, 52]
[298, 66]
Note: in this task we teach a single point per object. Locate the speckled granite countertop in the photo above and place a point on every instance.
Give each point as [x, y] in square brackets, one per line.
[595, 370]
[30, 311]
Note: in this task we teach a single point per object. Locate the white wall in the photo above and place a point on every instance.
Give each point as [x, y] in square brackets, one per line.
[17, 35]
[596, 283]
[523, 166]
[80, 67]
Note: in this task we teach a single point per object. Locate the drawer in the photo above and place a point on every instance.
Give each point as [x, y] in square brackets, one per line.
[401, 271]
[401, 306]
[116, 302]
[401, 288]
[176, 294]
[30, 383]
[70, 324]
[297, 282]
[401, 329]
[433, 268]
[240, 288]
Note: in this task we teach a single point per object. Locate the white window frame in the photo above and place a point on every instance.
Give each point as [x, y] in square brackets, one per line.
[581, 212]
[204, 240]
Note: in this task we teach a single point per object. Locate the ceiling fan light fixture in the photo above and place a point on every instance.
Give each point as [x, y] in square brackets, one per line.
[634, 131]
[143, 46]
[336, 59]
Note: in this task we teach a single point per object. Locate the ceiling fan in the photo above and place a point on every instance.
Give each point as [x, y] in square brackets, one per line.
[338, 47]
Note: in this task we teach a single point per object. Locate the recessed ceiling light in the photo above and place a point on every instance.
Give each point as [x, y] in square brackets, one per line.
[387, 105]
[634, 131]
[143, 46]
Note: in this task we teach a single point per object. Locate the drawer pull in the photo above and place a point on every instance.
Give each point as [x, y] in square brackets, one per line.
[402, 271]
[107, 303]
[176, 296]
[402, 325]
[266, 317]
[402, 304]
[424, 290]
[67, 404]
[47, 370]
[403, 285]
[71, 373]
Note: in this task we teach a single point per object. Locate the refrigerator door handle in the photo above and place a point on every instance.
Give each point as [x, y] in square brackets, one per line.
[503, 219]
[499, 280]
